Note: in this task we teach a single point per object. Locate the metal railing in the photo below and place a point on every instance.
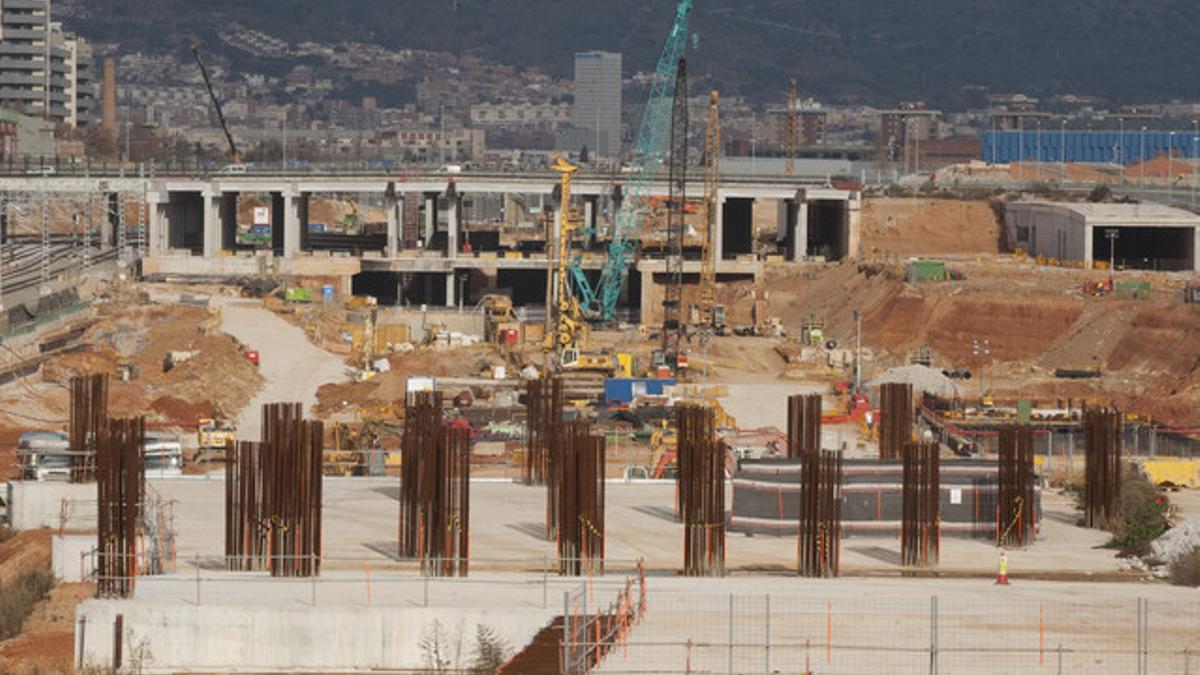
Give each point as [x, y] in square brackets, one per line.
[742, 633]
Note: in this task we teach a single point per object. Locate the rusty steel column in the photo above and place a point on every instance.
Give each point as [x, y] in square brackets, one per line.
[1016, 517]
[273, 496]
[1102, 445]
[422, 421]
[120, 482]
[435, 484]
[819, 541]
[804, 424]
[701, 458]
[89, 412]
[580, 540]
[920, 523]
[895, 419]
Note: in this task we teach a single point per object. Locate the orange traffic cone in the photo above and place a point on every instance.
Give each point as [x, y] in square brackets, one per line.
[1002, 575]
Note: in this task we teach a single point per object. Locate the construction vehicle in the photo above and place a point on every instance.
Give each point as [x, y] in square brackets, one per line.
[565, 325]
[212, 436]
[235, 157]
[498, 316]
[812, 331]
[598, 302]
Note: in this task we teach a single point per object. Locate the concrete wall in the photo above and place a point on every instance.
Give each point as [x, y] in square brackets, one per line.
[70, 556]
[1050, 231]
[467, 322]
[34, 505]
[248, 638]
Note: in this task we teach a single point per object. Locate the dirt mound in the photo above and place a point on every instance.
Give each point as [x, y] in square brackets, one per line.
[1157, 341]
[906, 227]
[387, 389]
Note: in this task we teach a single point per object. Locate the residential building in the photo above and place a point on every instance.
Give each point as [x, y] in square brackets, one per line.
[44, 72]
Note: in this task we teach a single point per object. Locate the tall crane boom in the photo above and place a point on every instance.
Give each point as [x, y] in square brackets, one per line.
[599, 301]
[712, 183]
[234, 155]
[793, 114]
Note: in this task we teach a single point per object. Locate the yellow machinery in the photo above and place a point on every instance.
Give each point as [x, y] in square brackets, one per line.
[212, 434]
[566, 329]
[498, 314]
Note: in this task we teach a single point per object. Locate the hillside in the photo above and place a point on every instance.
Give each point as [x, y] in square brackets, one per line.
[846, 51]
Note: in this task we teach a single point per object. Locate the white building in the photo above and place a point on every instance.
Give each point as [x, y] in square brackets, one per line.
[1144, 236]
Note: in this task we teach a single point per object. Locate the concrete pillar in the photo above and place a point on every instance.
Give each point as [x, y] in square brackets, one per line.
[452, 220]
[451, 283]
[292, 224]
[1089, 235]
[589, 213]
[800, 227]
[394, 204]
[431, 215]
[647, 300]
[108, 225]
[156, 230]
[854, 226]
[212, 222]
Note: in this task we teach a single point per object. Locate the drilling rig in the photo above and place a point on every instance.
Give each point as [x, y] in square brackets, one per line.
[709, 317]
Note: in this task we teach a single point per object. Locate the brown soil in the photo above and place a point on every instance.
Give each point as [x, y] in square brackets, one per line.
[27, 551]
[384, 393]
[906, 227]
[47, 641]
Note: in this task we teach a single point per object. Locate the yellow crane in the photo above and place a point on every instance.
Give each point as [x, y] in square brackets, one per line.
[709, 318]
[566, 321]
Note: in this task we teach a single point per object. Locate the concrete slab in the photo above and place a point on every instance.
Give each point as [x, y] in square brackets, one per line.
[34, 505]
[71, 556]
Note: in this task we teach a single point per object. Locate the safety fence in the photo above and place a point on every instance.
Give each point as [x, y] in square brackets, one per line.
[377, 577]
[589, 635]
[740, 633]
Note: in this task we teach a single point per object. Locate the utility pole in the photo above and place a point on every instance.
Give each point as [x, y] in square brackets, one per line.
[1063, 149]
[1142, 158]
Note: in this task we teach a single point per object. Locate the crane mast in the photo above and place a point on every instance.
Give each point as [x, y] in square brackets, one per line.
[673, 326]
[599, 301]
[712, 183]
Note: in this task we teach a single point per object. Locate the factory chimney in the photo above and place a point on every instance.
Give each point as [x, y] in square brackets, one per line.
[108, 106]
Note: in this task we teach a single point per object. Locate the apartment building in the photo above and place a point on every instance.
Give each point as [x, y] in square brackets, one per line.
[44, 72]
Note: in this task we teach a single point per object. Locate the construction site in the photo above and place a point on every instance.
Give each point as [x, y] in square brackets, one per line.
[673, 421]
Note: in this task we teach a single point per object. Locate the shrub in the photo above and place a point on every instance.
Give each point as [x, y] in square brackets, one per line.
[1185, 571]
[1141, 515]
[18, 598]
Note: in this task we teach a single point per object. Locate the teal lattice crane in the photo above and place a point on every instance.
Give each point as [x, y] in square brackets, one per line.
[599, 301]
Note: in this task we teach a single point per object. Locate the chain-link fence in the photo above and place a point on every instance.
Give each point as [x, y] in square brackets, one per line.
[771, 633]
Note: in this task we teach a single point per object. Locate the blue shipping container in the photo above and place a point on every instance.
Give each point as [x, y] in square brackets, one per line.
[624, 390]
